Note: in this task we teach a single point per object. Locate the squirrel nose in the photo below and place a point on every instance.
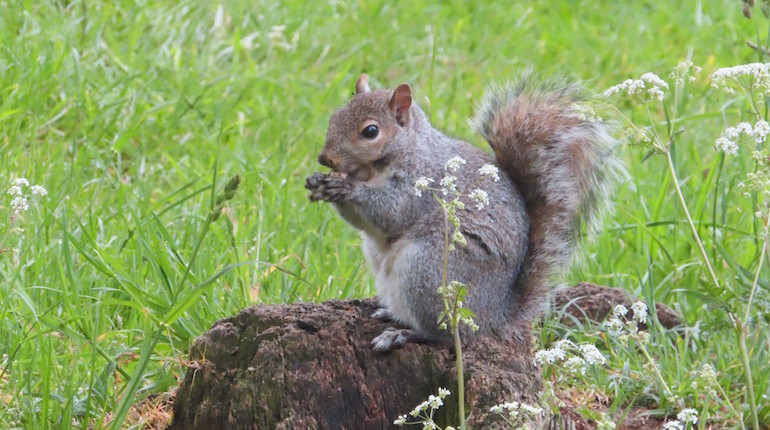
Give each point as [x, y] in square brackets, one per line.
[322, 159]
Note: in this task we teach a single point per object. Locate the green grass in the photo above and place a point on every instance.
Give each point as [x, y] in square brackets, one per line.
[135, 114]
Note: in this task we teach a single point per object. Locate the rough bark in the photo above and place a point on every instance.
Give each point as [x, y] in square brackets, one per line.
[310, 366]
[593, 302]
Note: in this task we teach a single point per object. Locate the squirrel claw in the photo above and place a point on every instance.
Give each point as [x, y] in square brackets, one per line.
[383, 315]
[315, 183]
[393, 338]
[330, 187]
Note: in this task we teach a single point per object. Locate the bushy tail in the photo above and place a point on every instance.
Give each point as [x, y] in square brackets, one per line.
[548, 140]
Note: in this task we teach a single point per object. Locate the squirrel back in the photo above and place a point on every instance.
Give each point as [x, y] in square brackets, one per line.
[562, 159]
[559, 166]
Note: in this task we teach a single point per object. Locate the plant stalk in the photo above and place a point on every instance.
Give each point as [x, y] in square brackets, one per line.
[747, 370]
[756, 278]
[460, 375]
[455, 327]
[689, 218]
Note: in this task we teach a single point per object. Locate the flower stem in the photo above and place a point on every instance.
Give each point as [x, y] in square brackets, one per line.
[729, 403]
[454, 324]
[689, 218]
[756, 277]
[657, 371]
[741, 328]
[460, 375]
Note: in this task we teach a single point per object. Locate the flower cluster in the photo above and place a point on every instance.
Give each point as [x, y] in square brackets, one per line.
[480, 198]
[684, 71]
[449, 183]
[422, 184]
[425, 409]
[616, 326]
[728, 142]
[514, 409]
[19, 199]
[453, 164]
[585, 112]
[686, 416]
[489, 170]
[650, 86]
[580, 356]
[753, 76]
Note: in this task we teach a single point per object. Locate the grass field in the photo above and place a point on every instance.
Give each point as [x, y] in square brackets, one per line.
[135, 114]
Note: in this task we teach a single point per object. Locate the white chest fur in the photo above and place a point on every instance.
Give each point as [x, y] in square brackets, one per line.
[389, 264]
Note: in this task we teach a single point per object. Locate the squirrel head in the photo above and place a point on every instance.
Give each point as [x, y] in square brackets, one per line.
[363, 135]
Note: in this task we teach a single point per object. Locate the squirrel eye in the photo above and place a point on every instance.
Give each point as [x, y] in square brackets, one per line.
[370, 132]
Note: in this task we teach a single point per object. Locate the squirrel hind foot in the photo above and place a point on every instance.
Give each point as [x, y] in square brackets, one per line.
[395, 338]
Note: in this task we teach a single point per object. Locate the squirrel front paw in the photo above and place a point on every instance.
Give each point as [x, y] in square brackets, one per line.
[331, 187]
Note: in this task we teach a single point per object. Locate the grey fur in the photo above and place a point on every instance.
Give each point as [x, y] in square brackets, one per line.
[403, 234]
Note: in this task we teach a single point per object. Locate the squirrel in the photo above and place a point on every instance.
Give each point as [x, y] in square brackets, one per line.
[559, 168]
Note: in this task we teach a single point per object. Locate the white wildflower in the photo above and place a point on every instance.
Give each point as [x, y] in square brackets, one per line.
[726, 145]
[429, 425]
[615, 326]
[745, 128]
[401, 420]
[38, 190]
[19, 205]
[448, 185]
[585, 112]
[443, 392]
[20, 182]
[435, 402]
[640, 312]
[727, 142]
[490, 170]
[480, 198]
[591, 354]
[422, 184]
[688, 415]
[620, 311]
[419, 409]
[507, 406]
[644, 337]
[707, 372]
[673, 425]
[15, 190]
[682, 72]
[531, 410]
[564, 344]
[650, 82]
[761, 130]
[605, 424]
[454, 164]
[576, 365]
[549, 356]
[753, 75]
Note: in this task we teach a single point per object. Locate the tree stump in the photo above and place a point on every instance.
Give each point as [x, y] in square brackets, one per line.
[310, 366]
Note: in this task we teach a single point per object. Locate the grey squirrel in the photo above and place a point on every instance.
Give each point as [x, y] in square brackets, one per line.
[558, 168]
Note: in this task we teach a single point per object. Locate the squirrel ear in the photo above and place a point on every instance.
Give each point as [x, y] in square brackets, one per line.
[400, 103]
[362, 84]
